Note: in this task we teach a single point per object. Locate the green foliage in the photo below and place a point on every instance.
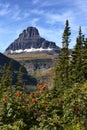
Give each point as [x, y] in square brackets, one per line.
[77, 72]
[17, 125]
[20, 76]
[75, 102]
[62, 69]
[44, 109]
[7, 75]
[74, 127]
[72, 69]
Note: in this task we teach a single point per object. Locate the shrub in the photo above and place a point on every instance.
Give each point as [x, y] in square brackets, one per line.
[56, 109]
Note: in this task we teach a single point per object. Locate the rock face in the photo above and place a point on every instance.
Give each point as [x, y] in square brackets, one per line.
[30, 41]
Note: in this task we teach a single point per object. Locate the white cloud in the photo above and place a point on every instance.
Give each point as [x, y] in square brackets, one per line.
[22, 26]
[54, 18]
[46, 3]
[38, 12]
[35, 1]
[5, 31]
[4, 9]
[4, 5]
[44, 14]
[16, 13]
[49, 3]
[34, 21]
[54, 35]
[81, 5]
[13, 12]
[26, 14]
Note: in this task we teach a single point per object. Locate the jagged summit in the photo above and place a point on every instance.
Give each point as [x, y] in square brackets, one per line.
[30, 32]
[31, 41]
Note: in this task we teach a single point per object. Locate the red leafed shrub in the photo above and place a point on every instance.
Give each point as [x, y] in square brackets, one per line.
[33, 100]
[18, 94]
[76, 108]
[59, 108]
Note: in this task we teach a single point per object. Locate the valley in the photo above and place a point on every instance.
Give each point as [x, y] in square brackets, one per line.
[39, 65]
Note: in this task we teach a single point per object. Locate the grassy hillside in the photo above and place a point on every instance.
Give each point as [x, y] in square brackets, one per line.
[32, 56]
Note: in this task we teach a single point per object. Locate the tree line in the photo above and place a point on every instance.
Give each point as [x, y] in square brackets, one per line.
[72, 67]
[8, 75]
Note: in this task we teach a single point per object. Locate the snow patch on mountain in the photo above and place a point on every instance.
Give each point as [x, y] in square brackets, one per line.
[31, 50]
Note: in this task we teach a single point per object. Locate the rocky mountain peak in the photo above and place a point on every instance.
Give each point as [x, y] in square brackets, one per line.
[30, 32]
[30, 41]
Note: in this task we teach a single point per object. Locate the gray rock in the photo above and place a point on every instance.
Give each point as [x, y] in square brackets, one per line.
[30, 38]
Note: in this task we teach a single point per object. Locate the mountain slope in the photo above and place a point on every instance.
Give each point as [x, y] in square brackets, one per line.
[35, 53]
[30, 41]
[27, 79]
[5, 60]
[39, 65]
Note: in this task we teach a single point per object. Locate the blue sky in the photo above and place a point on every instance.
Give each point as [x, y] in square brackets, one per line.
[48, 16]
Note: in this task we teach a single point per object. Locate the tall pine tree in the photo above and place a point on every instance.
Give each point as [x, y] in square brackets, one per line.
[7, 76]
[77, 59]
[62, 69]
[20, 76]
[84, 59]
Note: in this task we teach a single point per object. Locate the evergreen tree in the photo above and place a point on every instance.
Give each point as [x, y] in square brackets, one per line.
[3, 79]
[10, 73]
[77, 59]
[62, 69]
[20, 76]
[84, 59]
[7, 74]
